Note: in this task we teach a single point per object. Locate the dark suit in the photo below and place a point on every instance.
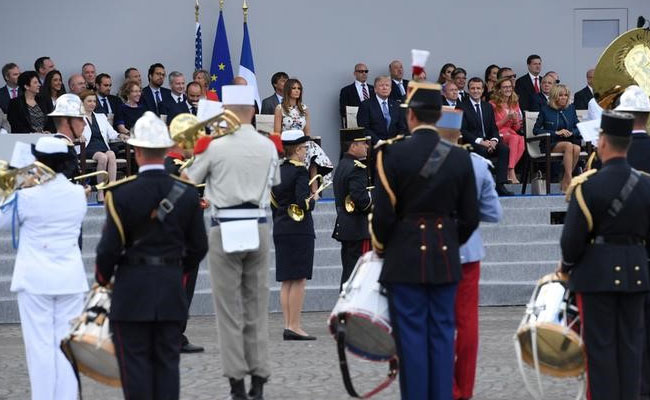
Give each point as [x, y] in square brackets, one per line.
[175, 109]
[582, 97]
[149, 103]
[463, 96]
[149, 303]
[351, 229]
[395, 93]
[269, 104]
[371, 117]
[537, 102]
[608, 266]
[472, 130]
[526, 90]
[419, 223]
[4, 99]
[350, 97]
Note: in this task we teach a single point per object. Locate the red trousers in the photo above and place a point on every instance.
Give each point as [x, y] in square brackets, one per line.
[466, 331]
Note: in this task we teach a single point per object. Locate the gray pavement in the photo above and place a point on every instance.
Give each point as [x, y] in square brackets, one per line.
[306, 370]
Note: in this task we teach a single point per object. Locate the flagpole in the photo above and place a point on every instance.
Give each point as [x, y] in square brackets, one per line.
[196, 11]
[221, 5]
[245, 8]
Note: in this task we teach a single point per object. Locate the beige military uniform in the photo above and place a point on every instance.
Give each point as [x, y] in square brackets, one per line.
[236, 171]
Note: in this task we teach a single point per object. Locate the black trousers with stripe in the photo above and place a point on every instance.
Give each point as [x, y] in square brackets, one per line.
[148, 354]
[351, 250]
[613, 332]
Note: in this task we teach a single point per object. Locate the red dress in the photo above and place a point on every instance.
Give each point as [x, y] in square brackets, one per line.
[508, 130]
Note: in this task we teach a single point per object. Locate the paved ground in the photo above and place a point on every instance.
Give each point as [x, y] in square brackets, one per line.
[306, 370]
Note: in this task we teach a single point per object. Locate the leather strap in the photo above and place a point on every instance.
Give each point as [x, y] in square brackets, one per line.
[393, 364]
[436, 159]
[628, 187]
[166, 205]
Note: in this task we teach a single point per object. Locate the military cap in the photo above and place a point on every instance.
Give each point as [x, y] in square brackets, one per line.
[353, 134]
[423, 96]
[616, 123]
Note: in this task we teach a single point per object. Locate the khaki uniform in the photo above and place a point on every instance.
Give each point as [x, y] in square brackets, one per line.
[236, 171]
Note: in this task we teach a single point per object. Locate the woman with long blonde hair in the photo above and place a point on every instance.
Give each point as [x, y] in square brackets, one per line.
[508, 117]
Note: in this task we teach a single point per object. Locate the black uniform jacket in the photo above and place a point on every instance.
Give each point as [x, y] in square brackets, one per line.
[351, 178]
[639, 153]
[620, 264]
[144, 291]
[419, 224]
[293, 189]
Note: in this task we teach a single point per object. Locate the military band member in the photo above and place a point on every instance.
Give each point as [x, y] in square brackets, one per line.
[606, 227]
[353, 200]
[425, 208]
[68, 116]
[239, 170]
[49, 276]
[293, 232]
[154, 235]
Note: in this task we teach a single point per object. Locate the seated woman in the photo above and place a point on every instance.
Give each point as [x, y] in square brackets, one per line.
[97, 133]
[507, 115]
[293, 237]
[25, 115]
[445, 73]
[130, 110]
[559, 118]
[50, 91]
[293, 114]
[202, 77]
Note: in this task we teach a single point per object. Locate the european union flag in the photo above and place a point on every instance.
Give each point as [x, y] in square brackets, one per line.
[221, 68]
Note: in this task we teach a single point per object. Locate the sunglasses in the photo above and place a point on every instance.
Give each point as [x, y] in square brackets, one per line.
[362, 71]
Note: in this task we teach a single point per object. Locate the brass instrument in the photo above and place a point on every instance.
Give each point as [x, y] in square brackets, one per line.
[21, 178]
[349, 203]
[89, 175]
[294, 211]
[186, 129]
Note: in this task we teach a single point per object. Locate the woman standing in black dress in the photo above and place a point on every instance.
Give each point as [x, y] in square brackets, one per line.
[293, 240]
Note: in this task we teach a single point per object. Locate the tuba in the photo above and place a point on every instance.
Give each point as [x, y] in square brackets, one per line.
[349, 203]
[186, 130]
[21, 178]
[294, 211]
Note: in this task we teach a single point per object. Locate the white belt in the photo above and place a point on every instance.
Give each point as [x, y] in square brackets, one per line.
[240, 213]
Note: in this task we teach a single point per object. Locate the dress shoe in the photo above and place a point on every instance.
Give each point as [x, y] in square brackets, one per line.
[257, 388]
[188, 347]
[237, 389]
[503, 191]
[288, 334]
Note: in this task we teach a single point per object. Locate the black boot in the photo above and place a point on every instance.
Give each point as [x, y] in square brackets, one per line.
[257, 388]
[237, 389]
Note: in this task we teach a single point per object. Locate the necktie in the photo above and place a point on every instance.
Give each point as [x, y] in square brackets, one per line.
[105, 106]
[180, 99]
[536, 86]
[480, 117]
[364, 91]
[401, 88]
[384, 110]
[158, 99]
[193, 110]
[13, 93]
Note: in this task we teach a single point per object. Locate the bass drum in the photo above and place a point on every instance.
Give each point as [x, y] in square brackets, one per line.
[89, 347]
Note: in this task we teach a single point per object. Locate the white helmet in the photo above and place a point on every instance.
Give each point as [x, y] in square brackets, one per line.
[150, 132]
[634, 99]
[68, 105]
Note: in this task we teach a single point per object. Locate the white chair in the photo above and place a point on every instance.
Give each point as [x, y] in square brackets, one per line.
[582, 115]
[351, 117]
[264, 122]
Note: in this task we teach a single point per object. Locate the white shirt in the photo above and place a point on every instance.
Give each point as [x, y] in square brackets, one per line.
[360, 90]
[532, 80]
[100, 101]
[49, 259]
[150, 167]
[176, 97]
[279, 98]
[452, 103]
[594, 111]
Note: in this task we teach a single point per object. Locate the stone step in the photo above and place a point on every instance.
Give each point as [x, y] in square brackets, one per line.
[508, 252]
[500, 233]
[505, 293]
[516, 271]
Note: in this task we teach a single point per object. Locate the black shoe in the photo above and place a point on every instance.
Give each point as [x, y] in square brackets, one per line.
[502, 191]
[257, 388]
[237, 389]
[288, 334]
[188, 347]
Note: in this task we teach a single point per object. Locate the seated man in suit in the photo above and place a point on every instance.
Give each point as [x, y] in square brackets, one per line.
[450, 95]
[277, 81]
[154, 94]
[582, 97]
[399, 84]
[10, 73]
[42, 66]
[89, 72]
[190, 105]
[132, 74]
[106, 102]
[77, 84]
[177, 86]
[379, 115]
[528, 85]
[353, 94]
[479, 129]
[540, 99]
[459, 77]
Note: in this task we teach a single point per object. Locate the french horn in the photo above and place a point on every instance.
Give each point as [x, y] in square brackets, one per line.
[348, 203]
[294, 211]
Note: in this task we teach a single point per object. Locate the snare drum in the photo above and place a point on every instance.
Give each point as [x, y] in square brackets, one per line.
[89, 347]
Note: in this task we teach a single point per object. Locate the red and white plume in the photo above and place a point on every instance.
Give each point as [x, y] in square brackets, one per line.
[419, 60]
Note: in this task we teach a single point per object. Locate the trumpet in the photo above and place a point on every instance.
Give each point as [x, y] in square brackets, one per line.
[294, 211]
[89, 175]
[349, 203]
[186, 130]
[22, 178]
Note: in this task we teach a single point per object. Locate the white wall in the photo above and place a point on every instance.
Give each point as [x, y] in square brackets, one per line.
[317, 41]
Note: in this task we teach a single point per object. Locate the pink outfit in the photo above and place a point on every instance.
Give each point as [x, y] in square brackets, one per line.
[508, 131]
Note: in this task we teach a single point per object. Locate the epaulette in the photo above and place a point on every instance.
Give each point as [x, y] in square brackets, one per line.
[390, 141]
[178, 178]
[578, 180]
[296, 163]
[117, 183]
[178, 161]
[359, 164]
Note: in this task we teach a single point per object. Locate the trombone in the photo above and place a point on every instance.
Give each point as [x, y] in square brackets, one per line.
[294, 211]
[99, 186]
